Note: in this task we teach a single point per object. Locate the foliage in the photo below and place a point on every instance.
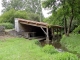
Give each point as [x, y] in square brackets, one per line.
[29, 6]
[37, 42]
[33, 6]
[27, 15]
[32, 16]
[65, 11]
[21, 14]
[11, 14]
[77, 30]
[72, 43]
[65, 56]
[36, 6]
[57, 12]
[7, 25]
[12, 4]
[49, 49]
[7, 16]
[58, 20]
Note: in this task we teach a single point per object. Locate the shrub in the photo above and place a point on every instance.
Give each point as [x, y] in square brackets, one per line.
[11, 14]
[21, 14]
[7, 25]
[7, 16]
[49, 49]
[77, 30]
[65, 56]
[37, 42]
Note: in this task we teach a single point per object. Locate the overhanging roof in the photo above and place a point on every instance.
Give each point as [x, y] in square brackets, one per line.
[37, 24]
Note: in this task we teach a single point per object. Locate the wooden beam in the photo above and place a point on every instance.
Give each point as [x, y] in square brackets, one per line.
[47, 37]
[52, 31]
[44, 31]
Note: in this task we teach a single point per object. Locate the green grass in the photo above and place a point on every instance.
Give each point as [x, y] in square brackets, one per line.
[23, 49]
[72, 43]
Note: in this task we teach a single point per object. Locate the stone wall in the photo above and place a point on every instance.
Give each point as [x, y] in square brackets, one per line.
[2, 30]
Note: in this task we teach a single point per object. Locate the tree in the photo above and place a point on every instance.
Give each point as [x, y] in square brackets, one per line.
[33, 6]
[8, 17]
[28, 5]
[12, 4]
[69, 10]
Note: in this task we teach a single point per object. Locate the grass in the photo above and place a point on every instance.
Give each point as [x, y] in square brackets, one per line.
[72, 43]
[23, 49]
[16, 49]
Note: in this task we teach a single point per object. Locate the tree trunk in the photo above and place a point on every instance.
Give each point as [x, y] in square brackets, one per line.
[72, 16]
[69, 26]
[65, 25]
[65, 21]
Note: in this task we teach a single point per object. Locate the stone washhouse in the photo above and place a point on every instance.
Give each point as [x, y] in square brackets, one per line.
[35, 29]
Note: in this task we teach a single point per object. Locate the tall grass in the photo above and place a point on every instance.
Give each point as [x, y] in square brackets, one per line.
[72, 43]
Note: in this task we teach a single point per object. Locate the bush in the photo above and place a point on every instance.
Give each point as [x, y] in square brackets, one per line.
[49, 49]
[65, 56]
[7, 25]
[37, 42]
[11, 14]
[77, 30]
[21, 14]
[7, 16]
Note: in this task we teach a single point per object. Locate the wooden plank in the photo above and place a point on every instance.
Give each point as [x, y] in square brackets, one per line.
[40, 23]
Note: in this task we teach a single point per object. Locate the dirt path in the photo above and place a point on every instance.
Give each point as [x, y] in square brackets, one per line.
[3, 38]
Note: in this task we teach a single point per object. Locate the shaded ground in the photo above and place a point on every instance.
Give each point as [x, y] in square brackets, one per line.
[3, 38]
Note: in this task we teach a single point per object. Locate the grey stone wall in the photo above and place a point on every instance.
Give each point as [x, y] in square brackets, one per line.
[2, 30]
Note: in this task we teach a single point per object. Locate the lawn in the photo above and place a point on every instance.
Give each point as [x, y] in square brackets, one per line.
[13, 48]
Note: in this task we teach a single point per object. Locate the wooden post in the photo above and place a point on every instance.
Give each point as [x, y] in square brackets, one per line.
[47, 34]
[60, 31]
[57, 31]
[47, 37]
[52, 31]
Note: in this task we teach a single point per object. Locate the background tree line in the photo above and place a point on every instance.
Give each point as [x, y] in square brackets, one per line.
[27, 5]
[26, 9]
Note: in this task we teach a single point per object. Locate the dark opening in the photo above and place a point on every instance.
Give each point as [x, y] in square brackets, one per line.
[38, 31]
